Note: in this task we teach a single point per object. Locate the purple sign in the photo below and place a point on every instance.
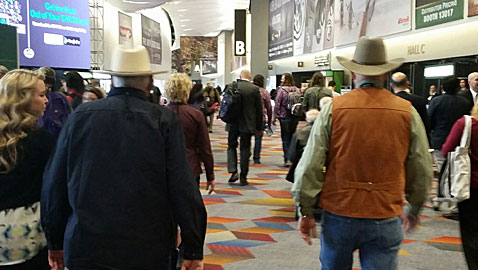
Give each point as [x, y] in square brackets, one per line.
[54, 33]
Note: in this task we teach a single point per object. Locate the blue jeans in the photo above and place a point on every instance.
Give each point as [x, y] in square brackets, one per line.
[378, 242]
[257, 147]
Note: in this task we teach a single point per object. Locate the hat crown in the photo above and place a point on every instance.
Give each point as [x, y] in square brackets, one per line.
[370, 51]
[134, 60]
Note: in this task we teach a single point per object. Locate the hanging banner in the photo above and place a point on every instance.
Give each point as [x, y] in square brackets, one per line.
[472, 8]
[240, 32]
[151, 35]
[434, 12]
[313, 26]
[125, 30]
[281, 28]
[373, 18]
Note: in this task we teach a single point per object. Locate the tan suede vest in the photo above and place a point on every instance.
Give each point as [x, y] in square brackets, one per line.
[369, 144]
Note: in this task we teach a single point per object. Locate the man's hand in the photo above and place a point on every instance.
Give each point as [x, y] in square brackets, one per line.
[192, 265]
[307, 228]
[211, 186]
[408, 222]
[55, 259]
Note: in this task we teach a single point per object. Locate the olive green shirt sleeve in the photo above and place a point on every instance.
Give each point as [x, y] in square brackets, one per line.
[309, 174]
[418, 167]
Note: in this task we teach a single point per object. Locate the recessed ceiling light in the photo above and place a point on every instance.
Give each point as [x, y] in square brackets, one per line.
[188, 29]
[184, 20]
[182, 10]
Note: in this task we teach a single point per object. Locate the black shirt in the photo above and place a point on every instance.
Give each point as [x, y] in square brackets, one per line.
[22, 185]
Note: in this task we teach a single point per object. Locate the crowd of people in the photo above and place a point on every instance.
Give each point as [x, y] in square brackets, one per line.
[114, 183]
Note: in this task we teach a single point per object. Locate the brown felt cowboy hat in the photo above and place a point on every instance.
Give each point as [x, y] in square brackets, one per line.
[370, 58]
[130, 62]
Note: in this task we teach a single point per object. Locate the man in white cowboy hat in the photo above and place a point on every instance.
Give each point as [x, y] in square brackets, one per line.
[375, 150]
[118, 186]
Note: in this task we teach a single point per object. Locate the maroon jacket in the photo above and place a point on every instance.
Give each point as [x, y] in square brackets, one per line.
[453, 141]
[198, 146]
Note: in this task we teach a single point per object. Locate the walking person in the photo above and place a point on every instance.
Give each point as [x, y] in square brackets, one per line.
[118, 185]
[315, 92]
[468, 209]
[266, 116]
[283, 111]
[198, 145]
[24, 152]
[212, 98]
[248, 124]
[444, 111]
[368, 172]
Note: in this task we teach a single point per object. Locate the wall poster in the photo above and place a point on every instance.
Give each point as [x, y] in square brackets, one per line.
[434, 12]
[472, 8]
[281, 28]
[374, 18]
[151, 39]
[313, 26]
[125, 30]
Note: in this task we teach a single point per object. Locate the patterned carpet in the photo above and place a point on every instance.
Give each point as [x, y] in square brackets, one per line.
[253, 227]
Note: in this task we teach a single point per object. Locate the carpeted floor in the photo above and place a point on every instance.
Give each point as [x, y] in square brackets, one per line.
[253, 227]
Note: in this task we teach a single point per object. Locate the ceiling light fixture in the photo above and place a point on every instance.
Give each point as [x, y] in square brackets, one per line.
[137, 3]
[182, 10]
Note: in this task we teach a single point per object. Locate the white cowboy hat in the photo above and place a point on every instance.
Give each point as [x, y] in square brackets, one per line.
[130, 62]
[370, 58]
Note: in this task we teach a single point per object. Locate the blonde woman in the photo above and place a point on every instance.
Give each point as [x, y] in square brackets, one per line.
[24, 151]
[198, 146]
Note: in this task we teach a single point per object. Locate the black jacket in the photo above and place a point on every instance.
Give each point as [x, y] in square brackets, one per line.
[468, 96]
[420, 104]
[444, 110]
[118, 184]
[251, 116]
[22, 185]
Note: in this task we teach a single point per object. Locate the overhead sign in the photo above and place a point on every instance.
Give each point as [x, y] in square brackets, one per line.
[434, 12]
[53, 33]
[240, 32]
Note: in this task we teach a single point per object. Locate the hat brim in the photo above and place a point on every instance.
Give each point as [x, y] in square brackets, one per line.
[370, 70]
[130, 74]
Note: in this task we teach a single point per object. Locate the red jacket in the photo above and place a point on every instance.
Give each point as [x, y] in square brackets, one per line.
[198, 146]
[453, 141]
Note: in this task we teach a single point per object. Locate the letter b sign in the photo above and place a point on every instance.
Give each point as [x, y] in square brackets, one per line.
[240, 48]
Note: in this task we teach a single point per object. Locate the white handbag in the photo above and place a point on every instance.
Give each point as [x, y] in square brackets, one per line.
[456, 174]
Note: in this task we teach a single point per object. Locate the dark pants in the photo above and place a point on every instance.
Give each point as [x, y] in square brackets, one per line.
[39, 262]
[245, 149]
[257, 147]
[468, 211]
[288, 126]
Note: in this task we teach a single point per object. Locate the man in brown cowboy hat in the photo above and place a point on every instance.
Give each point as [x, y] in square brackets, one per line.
[375, 150]
[118, 185]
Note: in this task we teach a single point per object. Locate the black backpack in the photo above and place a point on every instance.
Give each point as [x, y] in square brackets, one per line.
[231, 104]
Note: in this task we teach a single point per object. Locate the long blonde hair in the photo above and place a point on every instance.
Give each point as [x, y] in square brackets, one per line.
[16, 90]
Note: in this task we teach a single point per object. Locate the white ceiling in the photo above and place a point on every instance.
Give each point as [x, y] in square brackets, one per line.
[203, 17]
[192, 17]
